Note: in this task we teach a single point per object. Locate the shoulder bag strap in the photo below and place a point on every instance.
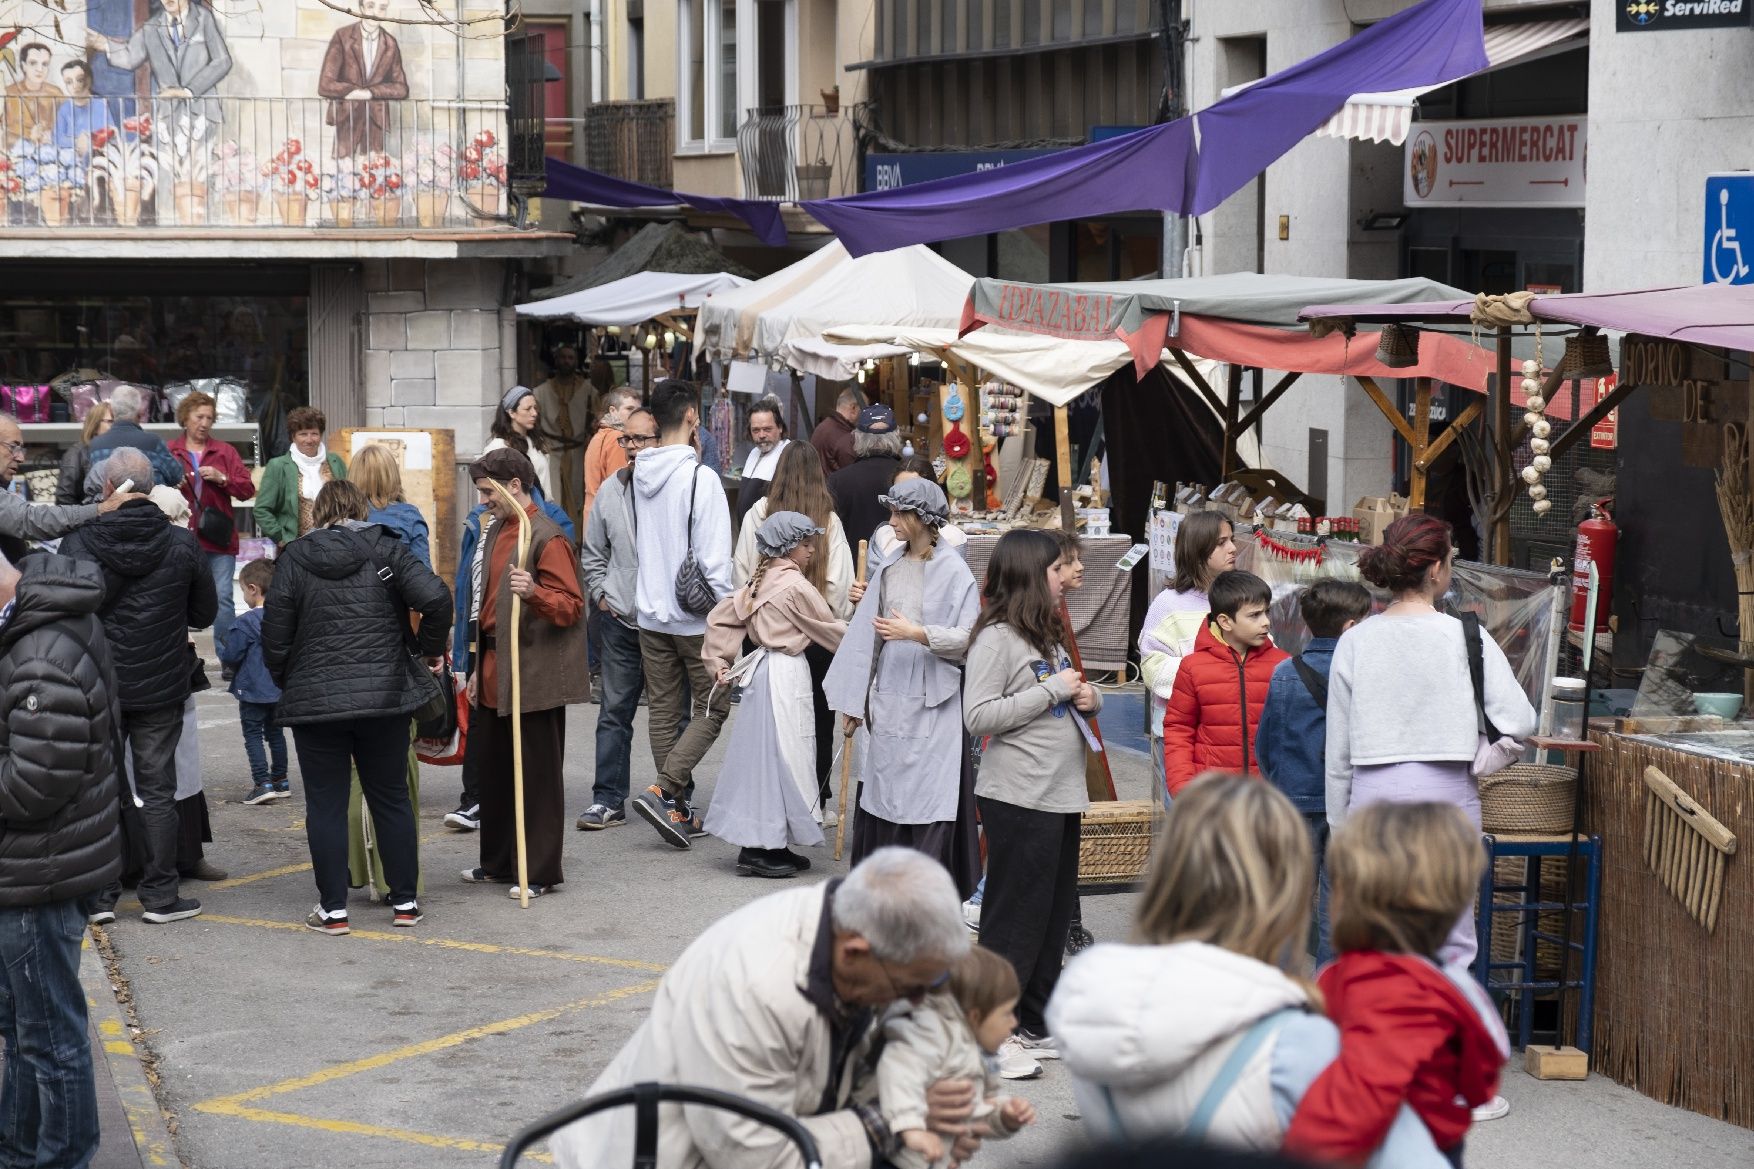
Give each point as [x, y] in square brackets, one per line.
[693, 488]
[1477, 672]
[1232, 1069]
[1312, 681]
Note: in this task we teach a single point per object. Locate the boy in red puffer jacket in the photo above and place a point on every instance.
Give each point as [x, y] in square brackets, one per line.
[1222, 686]
[1411, 1031]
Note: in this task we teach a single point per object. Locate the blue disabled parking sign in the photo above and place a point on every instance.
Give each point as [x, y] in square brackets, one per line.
[1729, 229]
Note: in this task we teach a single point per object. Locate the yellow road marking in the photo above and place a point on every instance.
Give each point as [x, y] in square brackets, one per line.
[118, 1047]
[239, 1104]
[445, 943]
[267, 874]
[110, 1026]
[352, 1128]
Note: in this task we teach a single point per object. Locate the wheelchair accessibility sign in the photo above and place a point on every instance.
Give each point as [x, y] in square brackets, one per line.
[1729, 229]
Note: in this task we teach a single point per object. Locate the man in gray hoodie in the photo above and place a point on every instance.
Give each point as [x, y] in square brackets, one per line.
[678, 509]
[611, 570]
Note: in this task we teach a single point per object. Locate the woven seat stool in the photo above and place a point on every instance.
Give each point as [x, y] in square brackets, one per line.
[1520, 975]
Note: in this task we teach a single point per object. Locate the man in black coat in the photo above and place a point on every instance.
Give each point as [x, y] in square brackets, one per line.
[877, 447]
[60, 844]
[156, 589]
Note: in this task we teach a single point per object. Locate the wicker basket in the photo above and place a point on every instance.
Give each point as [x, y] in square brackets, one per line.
[1114, 842]
[1528, 798]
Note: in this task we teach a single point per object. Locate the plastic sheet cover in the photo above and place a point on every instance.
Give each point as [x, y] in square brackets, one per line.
[1516, 607]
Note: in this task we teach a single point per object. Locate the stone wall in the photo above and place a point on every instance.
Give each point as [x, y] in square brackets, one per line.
[434, 346]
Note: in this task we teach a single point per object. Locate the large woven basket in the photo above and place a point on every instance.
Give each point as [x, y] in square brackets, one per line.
[1114, 842]
[1528, 798]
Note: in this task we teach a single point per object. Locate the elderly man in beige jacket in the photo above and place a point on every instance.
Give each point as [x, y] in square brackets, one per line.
[779, 1003]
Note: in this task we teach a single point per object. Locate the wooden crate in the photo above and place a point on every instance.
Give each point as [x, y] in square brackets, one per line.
[1115, 842]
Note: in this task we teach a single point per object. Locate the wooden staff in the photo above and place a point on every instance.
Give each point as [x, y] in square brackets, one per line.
[511, 501]
[1099, 781]
[846, 746]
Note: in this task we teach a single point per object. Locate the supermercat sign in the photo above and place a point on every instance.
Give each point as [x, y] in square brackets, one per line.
[1496, 162]
[1679, 15]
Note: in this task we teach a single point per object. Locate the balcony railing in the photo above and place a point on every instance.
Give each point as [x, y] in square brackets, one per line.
[632, 140]
[797, 152]
[258, 163]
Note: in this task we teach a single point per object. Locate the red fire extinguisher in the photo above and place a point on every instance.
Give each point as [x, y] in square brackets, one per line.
[1596, 539]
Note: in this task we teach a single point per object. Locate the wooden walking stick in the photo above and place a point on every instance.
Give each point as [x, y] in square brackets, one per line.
[846, 747]
[511, 501]
[1099, 781]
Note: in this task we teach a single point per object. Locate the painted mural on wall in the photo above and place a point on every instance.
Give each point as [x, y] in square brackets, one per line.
[292, 113]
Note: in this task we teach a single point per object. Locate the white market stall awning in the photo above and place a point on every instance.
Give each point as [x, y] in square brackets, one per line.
[725, 328]
[1388, 117]
[632, 299]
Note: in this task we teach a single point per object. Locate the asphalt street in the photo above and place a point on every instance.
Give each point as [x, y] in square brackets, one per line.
[269, 1046]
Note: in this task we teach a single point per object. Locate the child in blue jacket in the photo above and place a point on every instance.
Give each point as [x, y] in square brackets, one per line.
[1291, 741]
[264, 739]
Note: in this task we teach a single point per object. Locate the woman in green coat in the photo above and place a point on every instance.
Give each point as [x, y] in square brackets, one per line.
[290, 482]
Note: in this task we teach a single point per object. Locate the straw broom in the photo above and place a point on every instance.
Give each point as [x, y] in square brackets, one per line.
[846, 747]
[1737, 508]
[518, 698]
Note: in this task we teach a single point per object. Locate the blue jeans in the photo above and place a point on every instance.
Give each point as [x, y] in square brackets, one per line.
[263, 740]
[48, 1102]
[623, 681]
[1318, 839]
[222, 565]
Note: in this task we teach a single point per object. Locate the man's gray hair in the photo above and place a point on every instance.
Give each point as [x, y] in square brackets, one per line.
[619, 396]
[125, 463]
[902, 902]
[867, 445]
[851, 396]
[125, 404]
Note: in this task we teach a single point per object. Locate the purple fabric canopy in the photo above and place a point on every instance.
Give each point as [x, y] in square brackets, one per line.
[1164, 167]
[566, 181]
[1705, 314]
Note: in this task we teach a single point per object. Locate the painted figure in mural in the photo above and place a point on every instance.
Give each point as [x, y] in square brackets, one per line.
[362, 71]
[115, 20]
[568, 405]
[79, 116]
[184, 47]
[30, 103]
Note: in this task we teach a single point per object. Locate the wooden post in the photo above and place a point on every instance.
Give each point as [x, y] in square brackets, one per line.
[1063, 456]
[1232, 404]
[1503, 480]
[1420, 444]
[846, 746]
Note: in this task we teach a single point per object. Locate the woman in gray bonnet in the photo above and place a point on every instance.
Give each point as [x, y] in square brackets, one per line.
[899, 673]
[767, 797]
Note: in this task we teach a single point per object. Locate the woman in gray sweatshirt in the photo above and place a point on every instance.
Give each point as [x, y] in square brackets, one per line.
[1401, 719]
[1020, 689]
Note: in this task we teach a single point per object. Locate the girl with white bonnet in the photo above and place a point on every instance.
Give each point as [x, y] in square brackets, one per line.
[899, 674]
[767, 798]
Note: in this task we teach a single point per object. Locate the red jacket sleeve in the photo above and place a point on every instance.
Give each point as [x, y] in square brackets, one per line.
[557, 596]
[1180, 721]
[1385, 1036]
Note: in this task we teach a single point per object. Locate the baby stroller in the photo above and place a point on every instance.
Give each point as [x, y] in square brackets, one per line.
[645, 1099]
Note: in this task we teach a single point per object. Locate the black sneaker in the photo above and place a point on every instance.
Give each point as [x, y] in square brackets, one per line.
[407, 915]
[282, 788]
[333, 924]
[599, 816]
[467, 818]
[799, 860]
[765, 862]
[262, 793]
[668, 814]
[181, 909]
[483, 877]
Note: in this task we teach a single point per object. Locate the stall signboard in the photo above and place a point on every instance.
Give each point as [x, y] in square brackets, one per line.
[1604, 435]
[1693, 385]
[1680, 15]
[1496, 162]
[886, 172]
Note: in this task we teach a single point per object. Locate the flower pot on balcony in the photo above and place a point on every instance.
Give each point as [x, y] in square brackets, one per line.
[293, 209]
[342, 212]
[241, 206]
[388, 210]
[430, 207]
[128, 205]
[191, 202]
[54, 201]
[485, 199]
[813, 180]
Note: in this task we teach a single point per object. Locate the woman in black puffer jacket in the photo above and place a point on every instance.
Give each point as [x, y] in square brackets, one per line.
[334, 638]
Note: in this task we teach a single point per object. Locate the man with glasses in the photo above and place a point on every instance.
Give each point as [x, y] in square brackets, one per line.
[779, 1002]
[22, 520]
[611, 571]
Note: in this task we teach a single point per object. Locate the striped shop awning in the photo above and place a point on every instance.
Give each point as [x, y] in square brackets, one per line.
[1387, 117]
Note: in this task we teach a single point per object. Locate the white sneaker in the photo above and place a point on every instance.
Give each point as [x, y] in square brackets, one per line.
[1496, 1108]
[1038, 1046]
[830, 817]
[971, 915]
[1015, 1063]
